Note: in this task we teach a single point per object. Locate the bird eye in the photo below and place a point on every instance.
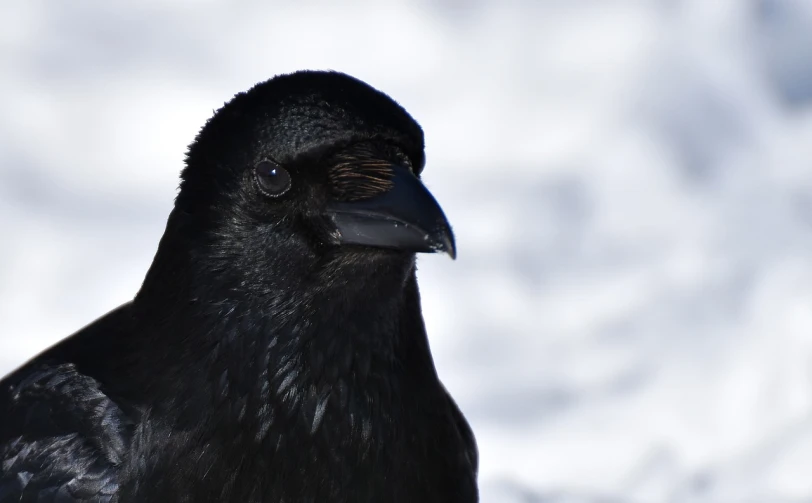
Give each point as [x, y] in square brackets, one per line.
[273, 180]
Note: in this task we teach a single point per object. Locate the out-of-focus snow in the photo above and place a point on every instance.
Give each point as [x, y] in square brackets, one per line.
[630, 316]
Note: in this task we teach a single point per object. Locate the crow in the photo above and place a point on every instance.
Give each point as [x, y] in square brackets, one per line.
[276, 350]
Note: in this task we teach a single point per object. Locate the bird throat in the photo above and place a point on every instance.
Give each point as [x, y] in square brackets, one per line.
[261, 366]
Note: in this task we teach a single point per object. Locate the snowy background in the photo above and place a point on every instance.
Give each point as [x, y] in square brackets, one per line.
[630, 316]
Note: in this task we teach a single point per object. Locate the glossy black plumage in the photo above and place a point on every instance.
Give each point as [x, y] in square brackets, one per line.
[267, 357]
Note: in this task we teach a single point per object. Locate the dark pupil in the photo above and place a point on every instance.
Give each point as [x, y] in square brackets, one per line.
[273, 179]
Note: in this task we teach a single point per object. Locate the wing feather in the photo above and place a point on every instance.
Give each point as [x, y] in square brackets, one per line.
[61, 438]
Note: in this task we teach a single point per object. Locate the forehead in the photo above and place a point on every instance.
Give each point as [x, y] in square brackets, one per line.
[308, 111]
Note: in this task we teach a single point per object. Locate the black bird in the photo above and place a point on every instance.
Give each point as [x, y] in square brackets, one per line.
[276, 351]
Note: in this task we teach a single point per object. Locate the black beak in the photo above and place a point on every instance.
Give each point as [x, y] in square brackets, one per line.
[406, 217]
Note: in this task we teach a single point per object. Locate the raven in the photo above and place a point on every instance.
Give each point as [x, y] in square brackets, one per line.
[276, 351]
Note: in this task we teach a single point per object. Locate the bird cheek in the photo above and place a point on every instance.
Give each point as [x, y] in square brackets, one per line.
[323, 230]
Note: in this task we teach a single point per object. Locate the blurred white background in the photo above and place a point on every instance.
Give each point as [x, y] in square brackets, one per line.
[630, 316]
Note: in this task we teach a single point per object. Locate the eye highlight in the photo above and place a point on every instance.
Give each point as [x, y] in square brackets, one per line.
[272, 179]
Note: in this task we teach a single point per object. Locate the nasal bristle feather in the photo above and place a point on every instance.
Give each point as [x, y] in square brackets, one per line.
[357, 174]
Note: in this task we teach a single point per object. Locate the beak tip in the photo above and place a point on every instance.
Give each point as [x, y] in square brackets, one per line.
[449, 246]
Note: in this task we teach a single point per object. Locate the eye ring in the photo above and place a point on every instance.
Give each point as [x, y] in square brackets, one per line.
[272, 179]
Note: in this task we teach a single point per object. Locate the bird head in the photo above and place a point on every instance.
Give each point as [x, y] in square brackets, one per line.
[310, 169]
